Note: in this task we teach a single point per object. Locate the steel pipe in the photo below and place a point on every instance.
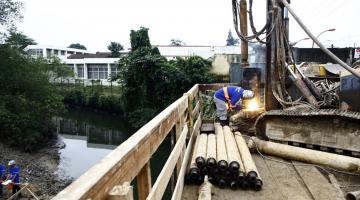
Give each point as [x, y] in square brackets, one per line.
[201, 151]
[234, 158]
[221, 154]
[353, 195]
[340, 162]
[211, 151]
[249, 165]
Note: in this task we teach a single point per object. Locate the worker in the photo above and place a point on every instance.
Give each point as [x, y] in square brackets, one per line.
[229, 98]
[2, 178]
[14, 176]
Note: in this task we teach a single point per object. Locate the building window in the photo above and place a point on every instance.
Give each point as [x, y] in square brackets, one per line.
[97, 71]
[80, 71]
[114, 69]
[36, 52]
[48, 53]
[56, 52]
[71, 66]
[63, 53]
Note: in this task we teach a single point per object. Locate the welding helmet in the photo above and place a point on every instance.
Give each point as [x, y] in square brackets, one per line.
[248, 94]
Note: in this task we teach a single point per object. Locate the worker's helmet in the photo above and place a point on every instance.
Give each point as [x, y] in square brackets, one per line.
[11, 162]
[248, 94]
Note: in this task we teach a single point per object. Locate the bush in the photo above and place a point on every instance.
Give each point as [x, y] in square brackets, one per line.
[27, 100]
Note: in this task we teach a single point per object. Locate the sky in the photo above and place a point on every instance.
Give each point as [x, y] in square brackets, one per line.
[95, 23]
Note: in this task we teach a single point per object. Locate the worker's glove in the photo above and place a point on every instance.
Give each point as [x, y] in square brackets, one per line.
[229, 107]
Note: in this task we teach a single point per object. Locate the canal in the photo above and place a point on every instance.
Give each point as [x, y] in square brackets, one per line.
[89, 136]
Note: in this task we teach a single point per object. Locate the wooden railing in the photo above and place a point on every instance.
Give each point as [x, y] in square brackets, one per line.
[110, 178]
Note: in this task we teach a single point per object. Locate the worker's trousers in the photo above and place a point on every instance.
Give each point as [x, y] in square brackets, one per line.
[221, 109]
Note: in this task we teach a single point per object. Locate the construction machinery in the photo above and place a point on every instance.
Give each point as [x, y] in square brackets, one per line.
[322, 114]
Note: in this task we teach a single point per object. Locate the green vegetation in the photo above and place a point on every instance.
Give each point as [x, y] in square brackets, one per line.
[28, 101]
[96, 97]
[115, 48]
[231, 41]
[150, 82]
[77, 46]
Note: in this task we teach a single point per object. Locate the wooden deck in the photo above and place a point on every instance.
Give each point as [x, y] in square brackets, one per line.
[281, 181]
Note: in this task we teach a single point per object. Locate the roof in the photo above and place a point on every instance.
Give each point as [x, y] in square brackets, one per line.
[88, 55]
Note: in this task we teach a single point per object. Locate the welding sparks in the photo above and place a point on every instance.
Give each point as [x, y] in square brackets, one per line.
[253, 105]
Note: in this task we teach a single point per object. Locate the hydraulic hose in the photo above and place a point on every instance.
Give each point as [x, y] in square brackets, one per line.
[322, 47]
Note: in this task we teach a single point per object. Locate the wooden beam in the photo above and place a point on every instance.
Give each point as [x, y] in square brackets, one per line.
[126, 161]
[316, 183]
[180, 181]
[144, 181]
[161, 182]
[121, 192]
[193, 92]
[196, 110]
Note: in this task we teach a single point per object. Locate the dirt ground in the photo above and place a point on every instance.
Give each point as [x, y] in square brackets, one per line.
[38, 168]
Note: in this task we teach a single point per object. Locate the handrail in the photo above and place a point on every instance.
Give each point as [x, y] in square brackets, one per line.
[132, 158]
[126, 161]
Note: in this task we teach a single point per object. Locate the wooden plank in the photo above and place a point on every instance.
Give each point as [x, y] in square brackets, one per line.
[207, 128]
[180, 182]
[126, 161]
[193, 91]
[144, 181]
[316, 183]
[286, 178]
[121, 192]
[336, 184]
[178, 129]
[196, 110]
[161, 182]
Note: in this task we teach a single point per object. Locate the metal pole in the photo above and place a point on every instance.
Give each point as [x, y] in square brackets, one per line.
[270, 100]
[244, 31]
[322, 47]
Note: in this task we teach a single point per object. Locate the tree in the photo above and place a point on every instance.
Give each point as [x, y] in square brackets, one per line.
[77, 46]
[27, 100]
[176, 42]
[19, 40]
[115, 48]
[231, 41]
[10, 11]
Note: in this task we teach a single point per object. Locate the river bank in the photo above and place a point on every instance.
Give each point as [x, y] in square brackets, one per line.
[39, 168]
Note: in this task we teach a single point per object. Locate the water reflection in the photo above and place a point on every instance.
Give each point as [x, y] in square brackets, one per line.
[88, 136]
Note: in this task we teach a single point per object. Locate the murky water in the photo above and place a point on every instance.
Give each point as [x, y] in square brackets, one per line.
[89, 136]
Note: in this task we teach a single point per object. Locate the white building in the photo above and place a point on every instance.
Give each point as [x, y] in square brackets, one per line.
[206, 52]
[98, 66]
[47, 51]
[89, 66]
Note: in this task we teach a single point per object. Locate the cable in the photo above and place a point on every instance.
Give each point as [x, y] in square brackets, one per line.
[322, 47]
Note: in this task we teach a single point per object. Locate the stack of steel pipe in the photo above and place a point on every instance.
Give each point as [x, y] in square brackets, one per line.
[225, 158]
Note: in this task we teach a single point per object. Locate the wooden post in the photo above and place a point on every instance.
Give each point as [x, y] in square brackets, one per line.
[121, 192]
[144, 181]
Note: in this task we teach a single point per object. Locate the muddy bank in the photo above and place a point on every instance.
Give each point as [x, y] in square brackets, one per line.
[38, 168]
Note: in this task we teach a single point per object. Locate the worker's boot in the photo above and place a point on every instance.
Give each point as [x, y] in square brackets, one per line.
[224, 122]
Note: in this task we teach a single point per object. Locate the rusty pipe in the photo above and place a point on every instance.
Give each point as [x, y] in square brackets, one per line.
[244, 31]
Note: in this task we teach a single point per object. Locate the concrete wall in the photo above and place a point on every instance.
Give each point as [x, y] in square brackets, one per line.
[221, 63]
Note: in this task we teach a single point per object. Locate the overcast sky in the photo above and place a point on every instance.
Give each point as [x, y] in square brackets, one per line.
[95, 23]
